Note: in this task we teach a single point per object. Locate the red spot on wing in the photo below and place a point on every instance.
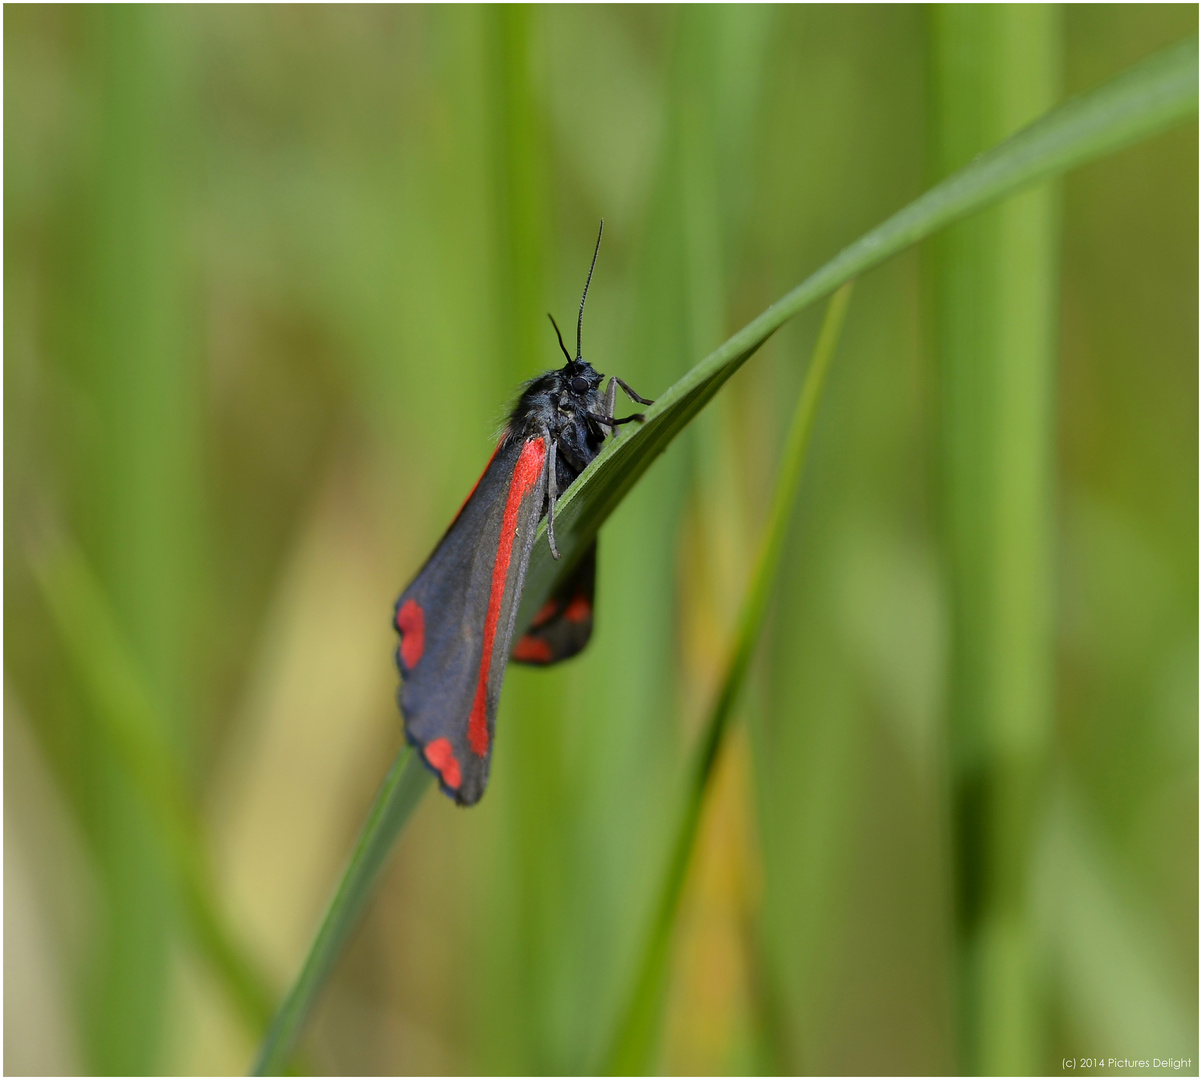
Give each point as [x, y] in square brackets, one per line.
[533, 650]
[440, 755]
[545, 613]
[525, 475]
[411, 622]
[579, 609]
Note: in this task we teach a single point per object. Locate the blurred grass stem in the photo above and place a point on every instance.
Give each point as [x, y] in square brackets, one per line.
[634, 1044]
[995, 281]
[403, 787]
[131, 725]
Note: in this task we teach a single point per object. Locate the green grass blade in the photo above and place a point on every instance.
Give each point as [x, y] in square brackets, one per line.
[138, 499]
[1145, 99]
[131, 724]
[403, 787]
[634, 1043]
[994, 291]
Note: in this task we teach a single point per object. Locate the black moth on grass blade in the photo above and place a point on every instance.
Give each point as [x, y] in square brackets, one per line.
[456, 618]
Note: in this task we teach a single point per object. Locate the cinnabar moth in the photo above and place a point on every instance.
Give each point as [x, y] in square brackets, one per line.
[456, 619]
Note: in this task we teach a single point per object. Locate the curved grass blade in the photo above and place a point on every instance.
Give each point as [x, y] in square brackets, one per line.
[1144, 100]
[401, 791]
[633, 1045]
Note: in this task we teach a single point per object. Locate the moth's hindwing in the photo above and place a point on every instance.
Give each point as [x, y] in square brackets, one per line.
[456, 620]
[564, 623]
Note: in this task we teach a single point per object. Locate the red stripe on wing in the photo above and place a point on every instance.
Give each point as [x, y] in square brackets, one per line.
[526, 475]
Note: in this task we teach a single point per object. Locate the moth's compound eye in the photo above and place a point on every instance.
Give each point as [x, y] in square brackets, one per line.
[579, 384]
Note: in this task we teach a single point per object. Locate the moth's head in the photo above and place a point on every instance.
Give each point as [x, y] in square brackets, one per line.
[580, 378]
[576, 376]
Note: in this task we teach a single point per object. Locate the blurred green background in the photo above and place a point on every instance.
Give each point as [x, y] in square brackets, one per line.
[271, 275]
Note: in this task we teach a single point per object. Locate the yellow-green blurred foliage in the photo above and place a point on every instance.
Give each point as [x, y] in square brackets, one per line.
[271, 275]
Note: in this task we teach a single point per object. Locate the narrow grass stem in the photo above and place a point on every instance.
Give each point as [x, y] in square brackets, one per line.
[401, 791]
[634, 1043]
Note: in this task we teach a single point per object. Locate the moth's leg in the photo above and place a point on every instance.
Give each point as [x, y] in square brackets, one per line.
[552, 493]
[611, 398]
[613, 422]
[629, 393]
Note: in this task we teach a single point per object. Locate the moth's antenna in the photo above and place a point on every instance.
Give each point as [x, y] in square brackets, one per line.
[580, 321]
[567, 355]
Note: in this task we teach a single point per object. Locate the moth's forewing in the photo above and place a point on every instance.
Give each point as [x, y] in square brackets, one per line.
[564, 624]
[456, 620]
